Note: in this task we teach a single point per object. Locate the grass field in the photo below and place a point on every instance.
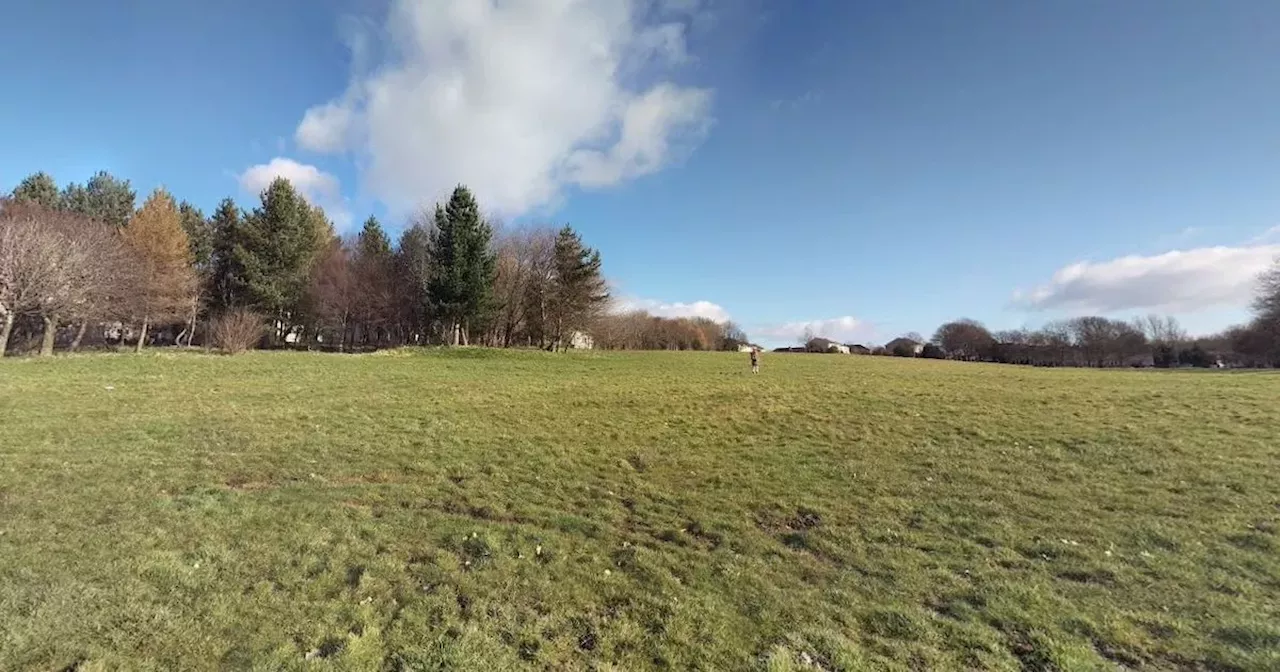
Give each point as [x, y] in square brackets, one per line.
[498, 510]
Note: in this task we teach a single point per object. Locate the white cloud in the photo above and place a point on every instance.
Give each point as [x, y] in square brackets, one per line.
[318, 187]
[518, 99]
[324, 128]
[705, 309]
[807, 99]
[1271, 234]
[847, 329]
[1178, 281]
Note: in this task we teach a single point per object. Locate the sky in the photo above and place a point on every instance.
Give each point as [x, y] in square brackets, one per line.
[860, 169]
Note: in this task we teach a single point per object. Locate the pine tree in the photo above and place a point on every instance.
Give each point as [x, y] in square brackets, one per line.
[578, 288]
[38, 188]
[461, 284]
[166, 278]
[372, 270]
[413, 277]
[74, 198]
[199, 230]
[224, 228]
[272, 251]
[104, 198]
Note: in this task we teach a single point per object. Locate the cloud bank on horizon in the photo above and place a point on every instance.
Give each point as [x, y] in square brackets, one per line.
[1180, 281]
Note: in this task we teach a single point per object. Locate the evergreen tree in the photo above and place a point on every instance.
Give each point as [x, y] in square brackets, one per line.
[224, 276]
[165, 277]
[199, 230]
[272, 251]
[104, 198]
[461, 283]
[371, 271]
[578, 288]
[372, 240]
[412, 279]
[74, 198]
[38, 188]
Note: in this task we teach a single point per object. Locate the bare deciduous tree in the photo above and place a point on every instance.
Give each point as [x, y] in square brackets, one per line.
[1267, 301]
[964, 339]
[333, 291]
[1161, 330]
[525, 258]
[60, 265]
[22, 255]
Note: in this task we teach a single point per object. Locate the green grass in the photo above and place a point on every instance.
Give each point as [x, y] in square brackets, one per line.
[499, 510]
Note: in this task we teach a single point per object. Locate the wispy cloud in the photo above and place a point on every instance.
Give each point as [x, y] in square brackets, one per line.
[1270, 235]
[845, 329]
[807, 99]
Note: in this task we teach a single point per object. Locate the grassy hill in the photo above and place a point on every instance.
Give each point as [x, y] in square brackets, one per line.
[499, 510]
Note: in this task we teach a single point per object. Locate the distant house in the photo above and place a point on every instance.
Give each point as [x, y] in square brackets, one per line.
[791, 349]
[855, 349]
[748, 347]
[581, 340]
[1142, 361]
[905, 347]
[826, 345]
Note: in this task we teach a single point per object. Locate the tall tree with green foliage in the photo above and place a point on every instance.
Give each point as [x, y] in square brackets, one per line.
[371, 269]
[578, 289]
[413, 275]
[224, 229]
[199, 230]
[104, 197]
[38, 188]
[461, 285]
[273, 250]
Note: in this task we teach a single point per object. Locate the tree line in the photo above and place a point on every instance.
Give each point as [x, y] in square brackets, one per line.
[81, 264]
[1096, 341]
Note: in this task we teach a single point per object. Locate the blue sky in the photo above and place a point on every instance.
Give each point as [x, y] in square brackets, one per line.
[861, 168]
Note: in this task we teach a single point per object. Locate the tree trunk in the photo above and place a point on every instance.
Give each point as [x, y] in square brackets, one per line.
[50, 330]
[75, 343]
[4, 333]
[142, 336]
[191, 325]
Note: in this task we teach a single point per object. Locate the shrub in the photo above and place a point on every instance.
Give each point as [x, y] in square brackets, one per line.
[236, 331]
[1195, 356]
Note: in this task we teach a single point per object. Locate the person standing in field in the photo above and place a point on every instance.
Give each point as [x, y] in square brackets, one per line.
[755, 360]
